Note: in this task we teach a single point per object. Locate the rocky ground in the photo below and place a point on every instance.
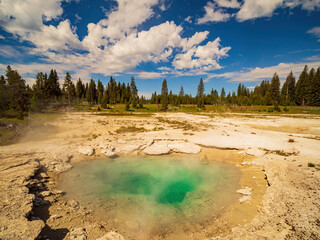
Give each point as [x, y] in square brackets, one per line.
[32, 205]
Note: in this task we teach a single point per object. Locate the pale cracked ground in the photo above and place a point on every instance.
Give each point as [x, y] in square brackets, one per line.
[289, 206]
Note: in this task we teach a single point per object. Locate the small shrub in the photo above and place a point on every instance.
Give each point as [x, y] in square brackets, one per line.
[270, 110]
[311, 164]
[291, 140]
[286, 109]
[276, 108]
[127, 106]
[130, 129]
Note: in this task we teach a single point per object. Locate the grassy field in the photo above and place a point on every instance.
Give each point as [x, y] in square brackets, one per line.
[119, 109]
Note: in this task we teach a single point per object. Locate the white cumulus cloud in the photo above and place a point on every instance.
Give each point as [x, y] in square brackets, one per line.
[128, 15]
[252, 9]
[202, 57]
[21, 17]
[111, 45]
[197, 38]
[213, 14]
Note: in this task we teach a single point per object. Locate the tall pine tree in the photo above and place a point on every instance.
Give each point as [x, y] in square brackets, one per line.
[69, 90]
[3, 96]
[301, 87]
[80, 90]
[100, 91]
[316, 88]
[17, 96]
[164, 95]
[275, 90]
[134, 93]
[200, 91]
[52, 85]
[200, 94]
[288, 89]
[309, 87]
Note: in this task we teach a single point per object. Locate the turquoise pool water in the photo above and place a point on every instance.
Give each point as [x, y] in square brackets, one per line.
[145, 195]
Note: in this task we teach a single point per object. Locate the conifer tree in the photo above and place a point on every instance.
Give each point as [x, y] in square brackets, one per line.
[200, 94]
[200, 91]
[17, 96]
[128, 93]
[91, 93]
[127, 106]
[69, 89]
[181, 93]
[141, 101]
[309, 87]
[40, 94]
[301, 87]
[100, 91]
[316, 88]
[164, 95]
[40, 88]
[222, 95]
[275, 90]
[3, 95]
[52, 85]
[134, 92]
[79, 89]
[124, 93]
[288, 89]
[104, 101]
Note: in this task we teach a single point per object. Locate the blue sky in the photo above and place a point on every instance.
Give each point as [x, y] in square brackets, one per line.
[222, 41]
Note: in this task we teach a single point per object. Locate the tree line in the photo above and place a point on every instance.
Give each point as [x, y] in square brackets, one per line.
[17, 98]
[304, 92]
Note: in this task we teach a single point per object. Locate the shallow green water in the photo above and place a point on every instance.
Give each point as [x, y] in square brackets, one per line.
[147, 193]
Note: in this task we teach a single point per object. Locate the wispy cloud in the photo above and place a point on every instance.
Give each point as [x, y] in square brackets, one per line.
[148, 75]
[315, 31]
[258, 74]
[313, 58]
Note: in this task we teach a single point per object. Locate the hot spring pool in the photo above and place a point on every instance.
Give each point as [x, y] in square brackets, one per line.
[142, 197]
